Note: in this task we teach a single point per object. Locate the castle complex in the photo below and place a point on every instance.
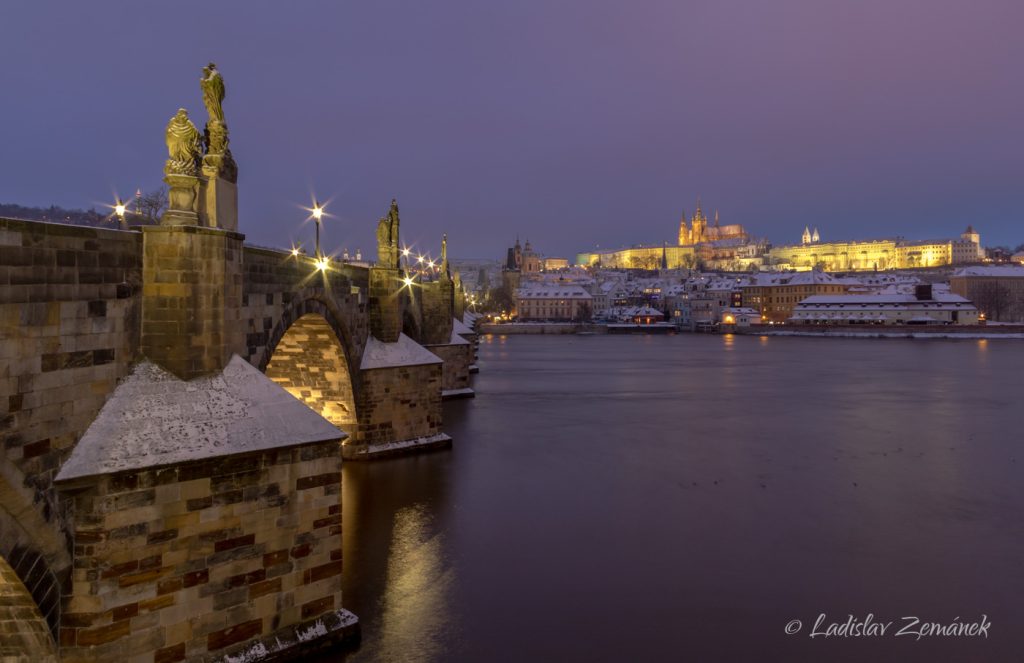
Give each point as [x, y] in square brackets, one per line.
[727, 246]
[731, 248]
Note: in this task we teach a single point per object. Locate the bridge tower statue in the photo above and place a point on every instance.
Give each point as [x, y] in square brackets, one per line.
[386, 281]
[192, 261]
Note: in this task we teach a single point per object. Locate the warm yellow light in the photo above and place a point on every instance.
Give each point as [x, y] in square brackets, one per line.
[407, 281]
[119, 208]
[431, 263]
[419, 259]
[405, 252]
[295, 252]
[321, 264]
[318, 211]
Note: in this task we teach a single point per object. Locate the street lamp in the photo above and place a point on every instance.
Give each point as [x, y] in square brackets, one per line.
[318, 212]
[119, 210]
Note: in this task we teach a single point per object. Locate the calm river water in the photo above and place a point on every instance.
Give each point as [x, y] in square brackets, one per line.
[651, 498]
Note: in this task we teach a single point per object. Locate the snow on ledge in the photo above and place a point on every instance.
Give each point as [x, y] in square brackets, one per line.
[466, 392]
[404, 352]
[441, 439]
[154, 418]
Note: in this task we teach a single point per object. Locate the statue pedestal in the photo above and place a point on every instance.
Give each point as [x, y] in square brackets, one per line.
[218, 201]
[181, 207]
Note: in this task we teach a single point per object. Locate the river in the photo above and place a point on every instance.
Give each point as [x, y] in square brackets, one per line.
[651, 498]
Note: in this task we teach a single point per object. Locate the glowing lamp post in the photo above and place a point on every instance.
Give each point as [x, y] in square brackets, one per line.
[318, 213]
[119, 210]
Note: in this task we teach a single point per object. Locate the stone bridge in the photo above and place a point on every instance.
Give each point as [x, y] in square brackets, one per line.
[174, 409]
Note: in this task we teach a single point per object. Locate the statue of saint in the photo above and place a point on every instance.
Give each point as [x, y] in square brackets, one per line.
[218, 160]
[393, 230]
[387, 238]
[384, 243]
[213, 92]
[183, 145]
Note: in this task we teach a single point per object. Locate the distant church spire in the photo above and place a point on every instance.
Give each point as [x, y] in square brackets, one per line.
[806, 237]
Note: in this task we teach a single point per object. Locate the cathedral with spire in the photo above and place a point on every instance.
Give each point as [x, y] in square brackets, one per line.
[698, 231]
[810, 238]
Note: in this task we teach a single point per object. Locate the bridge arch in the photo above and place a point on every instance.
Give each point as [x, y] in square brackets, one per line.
[24, 634]
[309, 356]
[34, 552]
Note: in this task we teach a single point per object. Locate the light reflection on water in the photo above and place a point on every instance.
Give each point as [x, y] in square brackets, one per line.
[416, 585]
[652, 498]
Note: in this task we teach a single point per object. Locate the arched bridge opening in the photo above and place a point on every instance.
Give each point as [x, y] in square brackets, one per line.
[310, 363]
[24, 634]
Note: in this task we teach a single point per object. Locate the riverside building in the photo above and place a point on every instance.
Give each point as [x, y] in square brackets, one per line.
[924, 307]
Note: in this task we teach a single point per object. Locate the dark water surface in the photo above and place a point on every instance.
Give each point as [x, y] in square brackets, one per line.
[651, 498]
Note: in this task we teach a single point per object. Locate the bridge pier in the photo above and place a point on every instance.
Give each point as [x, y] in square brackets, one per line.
[191, 298]
[208, 535]
[439, 335]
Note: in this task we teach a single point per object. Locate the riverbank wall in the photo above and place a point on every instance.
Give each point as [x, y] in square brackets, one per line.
[885, 331]
[542, 328]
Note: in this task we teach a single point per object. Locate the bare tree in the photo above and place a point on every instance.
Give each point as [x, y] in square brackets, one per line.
[153, 204]
[992, 299]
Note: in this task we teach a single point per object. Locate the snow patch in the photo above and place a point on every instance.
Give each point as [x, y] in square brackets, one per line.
[257, 652]
[404, 352]
[385, 447]
[315, 631]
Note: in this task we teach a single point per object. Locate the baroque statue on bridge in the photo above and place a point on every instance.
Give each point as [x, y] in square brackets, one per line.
[387, 238]
[212, 84]
[183, 145]
[218, 160]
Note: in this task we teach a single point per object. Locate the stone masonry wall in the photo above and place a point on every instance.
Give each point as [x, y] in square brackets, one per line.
[191, 298]
[455, 370]
[205, 559]
[385, 313]
[437, 302]
[69, 328]
[400, 403]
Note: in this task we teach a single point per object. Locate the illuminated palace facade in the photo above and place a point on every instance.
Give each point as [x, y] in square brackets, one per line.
[730, 248]
[698, 243]
[875, 254]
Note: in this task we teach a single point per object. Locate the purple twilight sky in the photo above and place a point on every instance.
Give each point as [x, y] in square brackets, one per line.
[573, 123]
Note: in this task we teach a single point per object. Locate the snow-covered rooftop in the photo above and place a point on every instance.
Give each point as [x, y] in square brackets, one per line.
[1012, 271]
[460, 327]
[456, 339]
[154, 418]
[404, 352]
[549, 292]
[884, 298]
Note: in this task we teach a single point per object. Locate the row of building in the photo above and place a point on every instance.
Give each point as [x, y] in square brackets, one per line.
[696, 299]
